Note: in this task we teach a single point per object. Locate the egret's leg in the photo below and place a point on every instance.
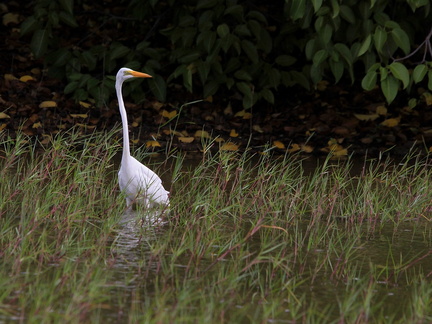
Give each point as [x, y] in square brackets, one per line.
[129, 202]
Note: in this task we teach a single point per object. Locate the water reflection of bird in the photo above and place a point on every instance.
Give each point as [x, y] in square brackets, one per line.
[136, 181]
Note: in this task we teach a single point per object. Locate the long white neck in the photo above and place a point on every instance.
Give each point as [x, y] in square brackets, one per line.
[126, 149]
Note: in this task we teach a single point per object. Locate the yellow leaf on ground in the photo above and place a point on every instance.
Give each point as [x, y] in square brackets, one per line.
[48, 104]
[342, 152]
[184, 139]
[152, 144]
[257, 128]
[26, 78]
[209, 99]
[9, 77]
[307, 148]
[134, 141]
[322, 85]
[391, 122]
[219, 139]
[11, 18]
[279, 144]
[134, 124]
[3, 115]
[37, 125]
[85, 104]
[233, 133]
[2, 126]
[228, 110]
[366, 117]
[243, 114]
[202, 134]
[78, 115]
[294, 148]
[157, 105]
[428, 98]
[229, 147]
[381, 110]
[169, 114]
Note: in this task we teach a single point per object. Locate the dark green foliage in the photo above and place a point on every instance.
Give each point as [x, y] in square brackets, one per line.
[251, 49]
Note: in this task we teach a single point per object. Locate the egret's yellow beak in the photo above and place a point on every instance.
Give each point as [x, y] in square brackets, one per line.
[140, 74]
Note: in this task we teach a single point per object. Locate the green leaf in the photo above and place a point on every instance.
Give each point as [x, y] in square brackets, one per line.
[430, 80]
[345, 52]
[326, 33]
[337, 69]
[285, 60]
[158, 87]
[67, 5]
[389, 87]
[380, 37]
[70, 87]
[210, 88]
[29, 25]
[203, 70]
[250, 50]
[298, 9]
[400, 72]
[317, 4]
[39, 42]
[191, 57]
[401, 39]
[268, 96]
[265, 42]
[310, 48]
[223, 30]
[236, 11]
[300, 79]
[88, 59]
[244, 88]
[206, 4]
[369, 81]
[419, 72]
[274, 77]
[207, 39]
[365, 45]
[242, 75]
[118, 51]
[68, 19]
[347, 14]
[319, 57]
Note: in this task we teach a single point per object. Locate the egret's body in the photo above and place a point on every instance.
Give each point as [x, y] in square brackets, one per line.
[136, 181]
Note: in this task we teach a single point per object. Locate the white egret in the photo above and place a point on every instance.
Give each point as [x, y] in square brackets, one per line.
[136, 181]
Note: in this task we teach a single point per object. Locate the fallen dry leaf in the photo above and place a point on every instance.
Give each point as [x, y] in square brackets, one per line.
[3, 115]
[77, 115]
[169, 114]
[381, 110]
[229, 147]
[391, 122]
[307, 148]
[202, 134]
[152, 144]
[243, 114]
[279, 144]
[294, 148]
[26, 78]
[363, 117]
[184, 139]
[233, 133]
[48, 104]
[85, 104]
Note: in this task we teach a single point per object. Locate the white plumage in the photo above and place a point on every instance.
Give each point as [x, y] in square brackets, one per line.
[138, 182]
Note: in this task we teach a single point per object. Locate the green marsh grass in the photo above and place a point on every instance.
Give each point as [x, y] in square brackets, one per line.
[247, 238]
